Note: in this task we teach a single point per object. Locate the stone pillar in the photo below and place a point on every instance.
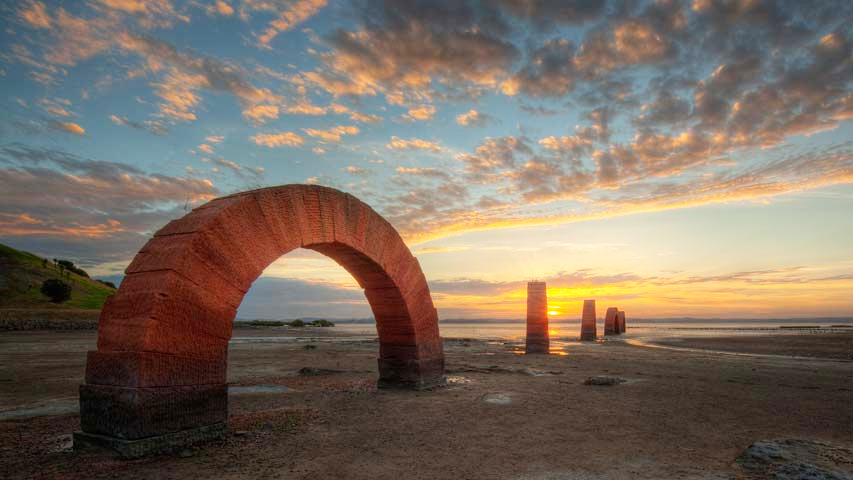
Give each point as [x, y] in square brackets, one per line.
[588, 330]
[611, 322]
[537, 318]
[621, 321]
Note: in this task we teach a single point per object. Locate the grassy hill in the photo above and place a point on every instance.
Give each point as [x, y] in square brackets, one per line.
[21, 276]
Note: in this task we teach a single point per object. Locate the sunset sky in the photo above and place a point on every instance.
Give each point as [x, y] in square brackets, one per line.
[669, 158]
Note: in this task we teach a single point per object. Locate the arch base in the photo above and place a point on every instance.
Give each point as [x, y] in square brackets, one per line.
[136, 421]
[411, 374]
[130, 449]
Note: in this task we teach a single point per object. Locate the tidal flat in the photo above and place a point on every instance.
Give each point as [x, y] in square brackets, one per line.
[304, 404]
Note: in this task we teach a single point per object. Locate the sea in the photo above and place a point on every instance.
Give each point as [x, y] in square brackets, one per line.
[568, 331]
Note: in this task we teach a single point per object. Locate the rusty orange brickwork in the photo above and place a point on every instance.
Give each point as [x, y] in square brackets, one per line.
[163, 336]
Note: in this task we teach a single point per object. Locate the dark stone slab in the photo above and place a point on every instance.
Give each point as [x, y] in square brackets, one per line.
[411, 374]
[135, 413]
[170, 442]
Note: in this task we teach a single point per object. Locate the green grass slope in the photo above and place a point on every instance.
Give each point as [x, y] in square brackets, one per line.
[21, 276]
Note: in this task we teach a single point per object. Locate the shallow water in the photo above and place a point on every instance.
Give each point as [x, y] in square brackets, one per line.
[567, 333]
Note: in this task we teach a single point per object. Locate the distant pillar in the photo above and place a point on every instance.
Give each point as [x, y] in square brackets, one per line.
[620, 316]
[537, 318]
[588, 332]
[611, 321]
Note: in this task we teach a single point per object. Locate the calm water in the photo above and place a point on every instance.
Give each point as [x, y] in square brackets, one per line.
[570, 331]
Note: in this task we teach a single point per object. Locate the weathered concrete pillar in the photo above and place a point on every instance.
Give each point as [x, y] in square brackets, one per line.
[611, 322]
[620, 316]
[588, 330]
[537, 318]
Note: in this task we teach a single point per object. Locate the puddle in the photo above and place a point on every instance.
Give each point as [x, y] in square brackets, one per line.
[60, 407]
[497, 398]
[249, 389]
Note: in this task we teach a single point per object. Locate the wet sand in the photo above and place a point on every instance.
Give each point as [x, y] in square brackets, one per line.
[680, 414]
[831, 346]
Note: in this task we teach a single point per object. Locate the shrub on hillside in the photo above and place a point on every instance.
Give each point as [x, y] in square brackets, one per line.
[57, 290]
[69, 265]
[109, 284]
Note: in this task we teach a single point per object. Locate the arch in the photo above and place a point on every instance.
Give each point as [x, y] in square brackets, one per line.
[160, 365]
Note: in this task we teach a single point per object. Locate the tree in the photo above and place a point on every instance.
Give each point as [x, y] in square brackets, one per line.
[57, 290]
[104, 282]
[69, 265]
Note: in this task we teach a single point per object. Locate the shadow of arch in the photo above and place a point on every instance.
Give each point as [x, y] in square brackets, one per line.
[159, 373]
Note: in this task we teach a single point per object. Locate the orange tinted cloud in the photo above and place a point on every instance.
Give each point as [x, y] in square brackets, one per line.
[273, 140]
[332, 134]
[398, 143]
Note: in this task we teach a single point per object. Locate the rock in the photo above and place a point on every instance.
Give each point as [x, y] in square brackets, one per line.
[311, 371]
[240, 433]
[791, 459]
[62, 443]
[497, 398]
[602, 380]
[185, 453]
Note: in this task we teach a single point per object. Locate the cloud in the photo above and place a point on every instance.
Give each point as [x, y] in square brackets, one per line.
[546, 13]
[332, 134]
[189, 73]
[35, 14]
[205, 148]
[151, 126]
[291, 15]
[629, 43]
[473, 118]
[492, 156]
[423, 172]
[403, 46]
[424, 112]
[259, 114]
[242, 171]
[57, 106]
[398, 143]
[666, 109]
[364, 118]
[549, 72]
[289, 298]
[356, 170]
[273, 140]
[223, 8]
[55, 202]
[214, 138]
[69, 127]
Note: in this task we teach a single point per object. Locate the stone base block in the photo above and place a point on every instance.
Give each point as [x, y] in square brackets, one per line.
[151, 445]
[130, 413]
[411, 374]
[536, 347]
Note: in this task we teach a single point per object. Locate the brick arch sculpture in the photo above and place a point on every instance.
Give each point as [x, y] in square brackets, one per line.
[158, 377]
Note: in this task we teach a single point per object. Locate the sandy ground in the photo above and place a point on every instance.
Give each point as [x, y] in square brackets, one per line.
[681, 414]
